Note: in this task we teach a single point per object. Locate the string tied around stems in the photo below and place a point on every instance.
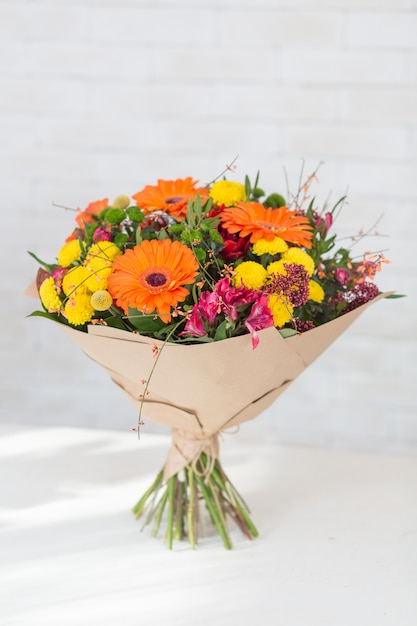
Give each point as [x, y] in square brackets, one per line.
[186, 448]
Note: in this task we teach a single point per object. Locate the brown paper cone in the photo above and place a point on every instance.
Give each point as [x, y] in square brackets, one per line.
[202, 389]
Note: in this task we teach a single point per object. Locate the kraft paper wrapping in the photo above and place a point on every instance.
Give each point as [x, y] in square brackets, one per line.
[199, 390]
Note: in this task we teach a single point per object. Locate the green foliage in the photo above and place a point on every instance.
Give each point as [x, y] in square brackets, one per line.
[275, 200]
[114, 216]
[135, 214]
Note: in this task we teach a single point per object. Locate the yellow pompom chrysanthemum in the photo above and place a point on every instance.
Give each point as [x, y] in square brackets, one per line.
[70, 252]
[75, 280]
[227, 193]
[79, 309]
[101, 255]
[277, 267]
[250, 274]
[295, 255]
[281, 309]
[49, 295]
[315, 291]
[276, 246]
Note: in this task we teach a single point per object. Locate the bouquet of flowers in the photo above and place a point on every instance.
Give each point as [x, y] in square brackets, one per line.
[204, 303]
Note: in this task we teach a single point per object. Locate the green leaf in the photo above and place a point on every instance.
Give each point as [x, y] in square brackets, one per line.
[215, 236]
[47, 266]
[248, 187]
[209, 222]
[200, 254]
[393, 296]
[145, 324]
[176, 229]
[138, 235]
[221, 331]
[49, 316]
[288, 332]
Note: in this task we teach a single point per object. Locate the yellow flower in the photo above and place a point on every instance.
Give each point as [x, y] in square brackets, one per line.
[101, 300]
[277, 267]
[121, 202]
[281, 309]
[102, 253]
[70, 252]
[49, 296]
[79, 309]
[75, 280]
[262, 246]
[250, 274]
[227, 192]
[99, 263]
[316, 291]
[295, 255]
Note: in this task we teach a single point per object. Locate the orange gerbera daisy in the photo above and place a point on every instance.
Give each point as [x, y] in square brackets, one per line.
[151, 276]
[252, 218]
[170, 196]
[94, 208]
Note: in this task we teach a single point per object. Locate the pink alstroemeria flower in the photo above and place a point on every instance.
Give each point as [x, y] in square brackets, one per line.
[233, 297]
[259, 318]
[195, 326]
[209, 306]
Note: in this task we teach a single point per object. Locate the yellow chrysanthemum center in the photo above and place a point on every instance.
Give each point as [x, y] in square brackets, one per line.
[295, 255]
[79, 309]
[101, 300]
[70, 252]
[228, 193]
[281, 309]
[250, 274]
[75, 280]
[276, 246]
[49, 296]
[315, 291]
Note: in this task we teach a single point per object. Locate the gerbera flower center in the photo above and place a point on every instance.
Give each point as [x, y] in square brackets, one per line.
[156, 279]
[266, 226]
[174, 199]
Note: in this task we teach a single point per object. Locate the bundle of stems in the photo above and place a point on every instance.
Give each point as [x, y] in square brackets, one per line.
[176, 502]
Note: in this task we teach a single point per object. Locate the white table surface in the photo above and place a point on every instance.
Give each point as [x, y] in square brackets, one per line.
[337, 545]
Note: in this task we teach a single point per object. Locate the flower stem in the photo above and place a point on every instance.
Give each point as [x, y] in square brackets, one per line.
[140, 505]
[180, 502]
[190, 508]
[170, 521]
[213, 512]
[159, 512]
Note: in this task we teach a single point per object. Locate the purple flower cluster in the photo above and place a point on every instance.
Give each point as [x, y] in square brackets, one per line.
[360, 294]
[293, 285]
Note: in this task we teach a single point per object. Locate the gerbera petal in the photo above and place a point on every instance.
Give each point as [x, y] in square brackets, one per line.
[252, 218]
[170, 196]
[150, 277]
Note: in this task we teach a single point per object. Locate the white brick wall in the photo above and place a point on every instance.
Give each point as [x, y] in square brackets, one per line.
[99, 97]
